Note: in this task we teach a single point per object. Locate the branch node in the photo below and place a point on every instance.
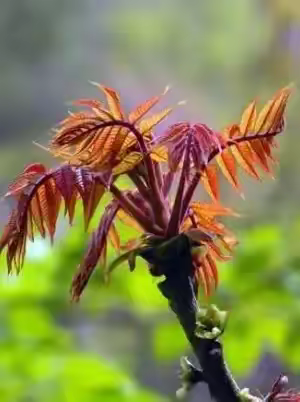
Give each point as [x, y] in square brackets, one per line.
[189, 375]
[245, 396]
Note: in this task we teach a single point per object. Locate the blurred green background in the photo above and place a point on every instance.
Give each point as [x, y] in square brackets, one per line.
[121, 343]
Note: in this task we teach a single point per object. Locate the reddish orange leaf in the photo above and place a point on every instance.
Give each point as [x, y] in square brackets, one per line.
[96, 106]
[96, 251]
[209, 225]
[73, 119]
[260, 155]
[49, 202]
[30, 228]
[71, 206]
[228, 242]
[144, 108]
[91, 199]
[210, 181]
[245, 158]
[268, 144]
[215, 250]
[209, 278]
[113, 100]
[29, 175]
[36, 211]
[204, 277]
[248, 119]
[120, 139]
[114, 237]
[272, 112]
[211, 210]
[231, 131]
[64, 181]
[106, 150]
[103, 145]
[227, 165]
[129, 220]
[88, 143]
[213, 268]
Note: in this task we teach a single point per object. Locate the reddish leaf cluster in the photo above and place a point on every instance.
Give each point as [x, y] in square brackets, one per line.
[101, 143]
[39, 194]
[103, 139]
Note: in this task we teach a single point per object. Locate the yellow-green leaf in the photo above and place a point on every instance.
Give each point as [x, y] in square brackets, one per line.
[128, 220]
[147, 124]
[248, 119]
[272, 112]
[160, 153]
[128, 163]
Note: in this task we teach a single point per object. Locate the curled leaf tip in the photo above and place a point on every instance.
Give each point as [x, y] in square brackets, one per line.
[96, 84]
[41, 146]
[167, 89]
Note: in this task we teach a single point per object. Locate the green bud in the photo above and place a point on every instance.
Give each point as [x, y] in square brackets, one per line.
[211, 322]
[181, 393]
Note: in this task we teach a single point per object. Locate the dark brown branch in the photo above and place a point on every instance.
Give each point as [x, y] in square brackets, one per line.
[208, 352]
[180, 290]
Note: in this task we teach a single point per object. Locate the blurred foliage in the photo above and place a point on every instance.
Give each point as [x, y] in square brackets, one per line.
[40, 359]
[169, 341]
[42, 333]
[180, 38]
[261, 288]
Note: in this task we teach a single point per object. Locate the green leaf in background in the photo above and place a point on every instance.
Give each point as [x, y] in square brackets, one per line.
[169, 341]
[248, 334]
[40, 359]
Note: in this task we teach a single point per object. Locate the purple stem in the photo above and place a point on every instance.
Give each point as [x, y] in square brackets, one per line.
[189, 194]
[158, 174]
[173, 227]
[168, 181]
[135, 211]
[139, 184]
